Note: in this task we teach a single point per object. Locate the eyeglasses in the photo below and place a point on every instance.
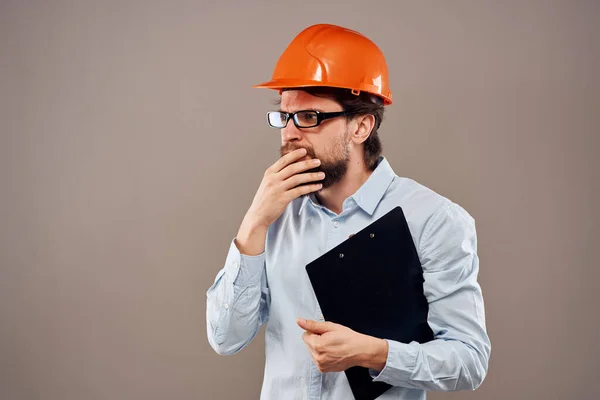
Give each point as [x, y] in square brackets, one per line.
[302, 119]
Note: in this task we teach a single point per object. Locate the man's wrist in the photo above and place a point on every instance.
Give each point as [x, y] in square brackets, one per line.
[375, 353]
[250, 239]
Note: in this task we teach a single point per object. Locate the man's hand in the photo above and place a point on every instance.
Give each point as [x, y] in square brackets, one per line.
[282, 182]
[335, 348]
[280, 185]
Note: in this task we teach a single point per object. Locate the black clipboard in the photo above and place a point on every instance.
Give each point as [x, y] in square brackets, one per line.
[373, 284]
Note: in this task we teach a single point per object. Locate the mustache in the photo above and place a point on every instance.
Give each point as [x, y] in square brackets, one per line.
[287, 148]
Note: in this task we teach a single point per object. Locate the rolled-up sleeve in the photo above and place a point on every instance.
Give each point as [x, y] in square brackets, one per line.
[457, 358]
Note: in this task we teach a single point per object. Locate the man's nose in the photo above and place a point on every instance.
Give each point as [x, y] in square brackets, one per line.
[290, 133]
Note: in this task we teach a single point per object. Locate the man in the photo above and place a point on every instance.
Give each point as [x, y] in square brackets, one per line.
[330, 182]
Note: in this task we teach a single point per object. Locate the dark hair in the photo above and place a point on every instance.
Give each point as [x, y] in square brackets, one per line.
[361, 104]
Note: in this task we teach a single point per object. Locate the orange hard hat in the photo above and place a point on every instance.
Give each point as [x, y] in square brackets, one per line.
[333, 56]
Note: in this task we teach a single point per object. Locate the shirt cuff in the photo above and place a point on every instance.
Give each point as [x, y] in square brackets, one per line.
[400, 364]
[244, 270]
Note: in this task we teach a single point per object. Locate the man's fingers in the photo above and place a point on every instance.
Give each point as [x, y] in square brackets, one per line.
[298, 167]
[308, 337]
[299, 179]
[312, 340]
[287, 159]
[304, 189]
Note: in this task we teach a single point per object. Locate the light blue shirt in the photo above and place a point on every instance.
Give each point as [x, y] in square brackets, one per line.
[273, 288]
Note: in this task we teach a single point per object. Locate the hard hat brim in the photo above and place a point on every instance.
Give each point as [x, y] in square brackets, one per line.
[279, 84]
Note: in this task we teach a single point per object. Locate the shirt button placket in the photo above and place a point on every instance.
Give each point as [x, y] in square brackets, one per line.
[316, 377]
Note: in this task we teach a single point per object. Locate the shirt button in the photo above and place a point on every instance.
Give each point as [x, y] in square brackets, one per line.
[336, 224]
[226, 306]
[235, 265]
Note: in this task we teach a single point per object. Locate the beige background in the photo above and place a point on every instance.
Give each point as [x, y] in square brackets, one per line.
[132, 143]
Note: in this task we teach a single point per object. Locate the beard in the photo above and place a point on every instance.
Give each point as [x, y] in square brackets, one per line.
[334, 164]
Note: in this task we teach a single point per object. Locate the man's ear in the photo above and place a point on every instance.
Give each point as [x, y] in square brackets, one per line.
[364, 127]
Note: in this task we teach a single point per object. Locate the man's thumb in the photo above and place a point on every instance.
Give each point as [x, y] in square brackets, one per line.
[313, 326]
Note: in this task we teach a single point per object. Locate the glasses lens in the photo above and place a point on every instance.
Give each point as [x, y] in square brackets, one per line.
[277, 119]
[306, 119]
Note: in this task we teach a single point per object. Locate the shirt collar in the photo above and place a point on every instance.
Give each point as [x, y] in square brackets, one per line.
[370, 193]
